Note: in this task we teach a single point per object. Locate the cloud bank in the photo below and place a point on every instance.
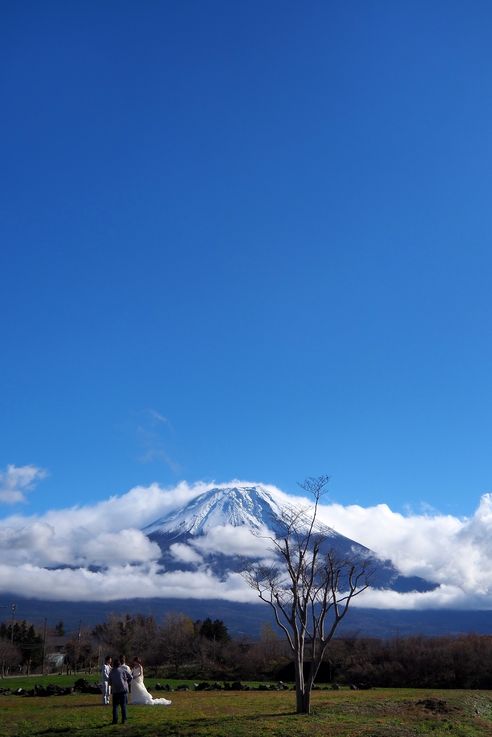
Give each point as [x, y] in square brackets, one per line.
[99, 552]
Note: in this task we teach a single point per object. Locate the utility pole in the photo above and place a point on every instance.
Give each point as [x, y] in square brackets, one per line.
[44, 645]
[77, 655]
[13, 608]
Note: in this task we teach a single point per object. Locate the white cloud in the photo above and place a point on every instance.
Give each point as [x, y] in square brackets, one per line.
[455, 553]
[158, 417]
[231, 540]
[152, 436]
[436, 547]
[112, 548]
[92, 535]
[185, 553]
[447, 597]
[120, 582]
[17, 481]
[40, 544]
[36, 542]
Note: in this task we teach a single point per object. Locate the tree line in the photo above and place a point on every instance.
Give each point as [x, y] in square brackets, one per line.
[459, 661]
[21, 647]
[179, 647]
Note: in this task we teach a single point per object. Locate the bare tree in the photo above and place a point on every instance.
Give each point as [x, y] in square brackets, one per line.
[176, 636]
[130, 635]
[308, 586]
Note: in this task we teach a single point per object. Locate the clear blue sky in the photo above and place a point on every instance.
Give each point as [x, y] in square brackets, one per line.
[247, 239]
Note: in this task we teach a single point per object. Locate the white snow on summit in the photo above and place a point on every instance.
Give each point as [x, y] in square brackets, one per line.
[250, 506]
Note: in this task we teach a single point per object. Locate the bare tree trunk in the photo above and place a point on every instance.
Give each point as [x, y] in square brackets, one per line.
[306, 702]
[303, 692]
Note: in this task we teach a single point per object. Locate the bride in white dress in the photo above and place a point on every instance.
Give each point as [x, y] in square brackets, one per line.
[139, 694]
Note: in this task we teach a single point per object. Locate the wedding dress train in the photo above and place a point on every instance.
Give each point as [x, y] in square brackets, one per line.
[140, 695]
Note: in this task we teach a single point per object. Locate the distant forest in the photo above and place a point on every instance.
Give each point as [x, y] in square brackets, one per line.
[182, 648]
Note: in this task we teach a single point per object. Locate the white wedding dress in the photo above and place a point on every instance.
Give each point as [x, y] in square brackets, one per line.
[140, 695]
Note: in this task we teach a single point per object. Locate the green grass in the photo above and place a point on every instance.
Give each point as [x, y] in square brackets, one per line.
[375, 713]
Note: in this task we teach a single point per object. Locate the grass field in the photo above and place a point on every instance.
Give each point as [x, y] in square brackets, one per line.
[344, 713]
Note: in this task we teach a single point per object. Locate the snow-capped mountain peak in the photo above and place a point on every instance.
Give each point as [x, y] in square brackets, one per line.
[251, 506]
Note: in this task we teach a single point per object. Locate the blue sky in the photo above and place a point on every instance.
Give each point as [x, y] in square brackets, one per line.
[247, 240]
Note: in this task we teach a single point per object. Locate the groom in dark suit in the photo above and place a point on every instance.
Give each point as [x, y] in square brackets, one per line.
[119, 679]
